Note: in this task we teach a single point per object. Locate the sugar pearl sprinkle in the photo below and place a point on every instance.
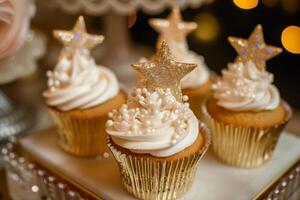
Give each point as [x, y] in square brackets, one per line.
[238, 84]
[155, 110]
[56, 80]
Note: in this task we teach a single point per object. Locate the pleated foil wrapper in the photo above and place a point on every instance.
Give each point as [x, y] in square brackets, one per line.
[244, 147]
[80, 136]
[151, 179]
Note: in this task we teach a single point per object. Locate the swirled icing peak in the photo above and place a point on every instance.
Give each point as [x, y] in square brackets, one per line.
[159, 125]
[243, 87]
[77, 82]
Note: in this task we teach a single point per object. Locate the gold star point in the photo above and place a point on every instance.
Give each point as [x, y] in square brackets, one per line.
[172, 28]
[161, 71]
[78, 36]
[254, 49]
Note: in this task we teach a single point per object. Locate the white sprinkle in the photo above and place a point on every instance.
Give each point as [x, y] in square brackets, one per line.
[141, 98]
[123, 110]
[34, 188]
[185, 98]
[109, 123]
[48, 73]
[106, 155]
[145, 90]
[135, 127]
[187, 104]
[138, 91]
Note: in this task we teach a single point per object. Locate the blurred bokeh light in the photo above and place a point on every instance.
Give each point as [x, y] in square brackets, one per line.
[290, 39]
[208, 27]
[246, 4]
[270, 3]
[291, 6]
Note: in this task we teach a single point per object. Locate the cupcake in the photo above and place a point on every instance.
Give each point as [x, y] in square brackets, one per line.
[81, 93]
[245, 113]
[197, 84]
[155, 137]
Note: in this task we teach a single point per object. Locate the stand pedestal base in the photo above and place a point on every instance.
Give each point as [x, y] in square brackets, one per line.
[14, 119]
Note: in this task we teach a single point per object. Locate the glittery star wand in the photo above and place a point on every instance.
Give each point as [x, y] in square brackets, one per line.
[78, 37]
[76, 40]
[173, 28]
[162, 71]
[254, 49]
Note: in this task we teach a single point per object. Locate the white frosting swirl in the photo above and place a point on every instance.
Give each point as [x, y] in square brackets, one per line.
[160, 126]
[78, 83]
[244, 87]
[199, 75]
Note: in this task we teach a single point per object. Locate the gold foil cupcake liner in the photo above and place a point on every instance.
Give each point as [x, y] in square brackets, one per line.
[243, 147]
[156, 179]
[80, 136]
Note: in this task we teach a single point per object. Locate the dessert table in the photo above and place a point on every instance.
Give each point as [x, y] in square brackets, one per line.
[98, 178]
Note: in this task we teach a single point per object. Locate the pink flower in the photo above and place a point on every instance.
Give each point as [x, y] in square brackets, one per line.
[14, 23]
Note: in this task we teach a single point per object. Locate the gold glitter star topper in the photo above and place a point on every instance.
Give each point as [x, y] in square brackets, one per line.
[172, 28]
[161, 71]
[78, 37]
[254, 49]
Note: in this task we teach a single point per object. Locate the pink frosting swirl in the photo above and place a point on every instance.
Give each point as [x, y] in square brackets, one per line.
[14, 23]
